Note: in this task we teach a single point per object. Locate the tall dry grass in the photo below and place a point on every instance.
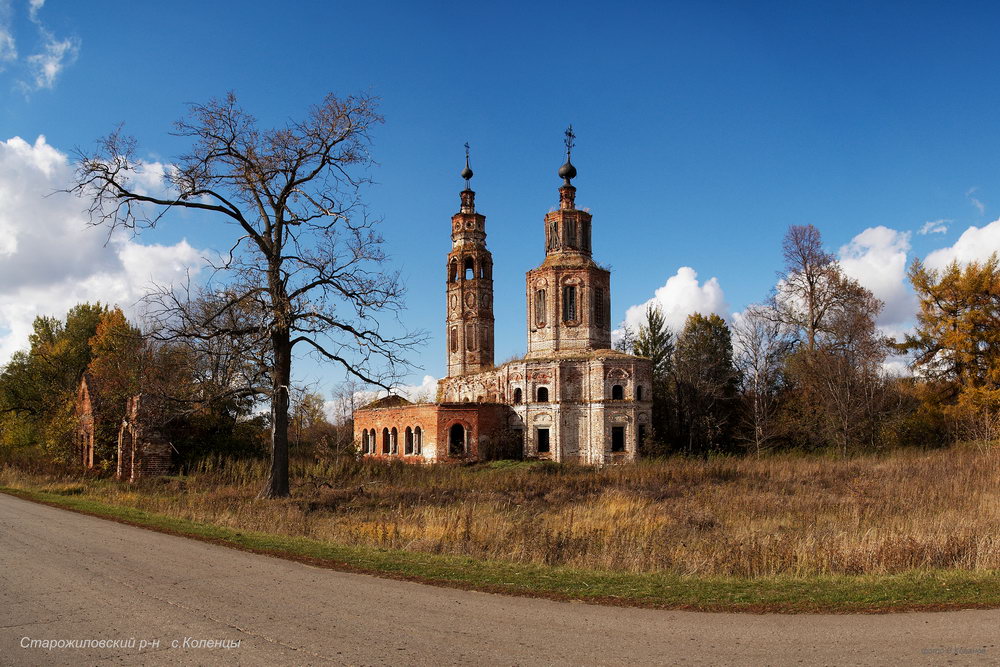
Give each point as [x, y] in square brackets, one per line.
[740, 516]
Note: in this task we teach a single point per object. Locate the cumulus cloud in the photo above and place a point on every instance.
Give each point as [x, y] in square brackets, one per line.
[935, 227]
[975, 244]
[679, 297]
[877, 258]
[51, 260]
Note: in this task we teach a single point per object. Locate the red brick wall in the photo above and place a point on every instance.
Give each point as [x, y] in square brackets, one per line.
[480, 420]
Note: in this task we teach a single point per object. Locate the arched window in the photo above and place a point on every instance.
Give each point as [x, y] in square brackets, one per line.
[470, 337]
[470, 270]
[453, 271]
[638, 392]
[585, 236]
[386, 446]
[517, 396]
[543, 394]
[395, 441]
[540, 307]
[417, 436]
[364, 441]
[484, 269]
[454, 339]
[617, 393]
[569, 303]
[408, 442]
[598, 314]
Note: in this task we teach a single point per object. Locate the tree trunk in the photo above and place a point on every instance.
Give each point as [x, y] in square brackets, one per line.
[277, 486]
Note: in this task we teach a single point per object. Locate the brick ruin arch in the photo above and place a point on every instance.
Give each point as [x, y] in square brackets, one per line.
[142, 450]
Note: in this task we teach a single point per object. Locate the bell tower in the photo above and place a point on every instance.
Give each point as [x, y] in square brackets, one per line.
[569, 295]
[469, 330]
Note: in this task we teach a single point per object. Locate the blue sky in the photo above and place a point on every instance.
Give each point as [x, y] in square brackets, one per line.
[704, 131]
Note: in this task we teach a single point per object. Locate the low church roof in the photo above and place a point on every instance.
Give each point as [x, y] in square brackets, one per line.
[391, 401]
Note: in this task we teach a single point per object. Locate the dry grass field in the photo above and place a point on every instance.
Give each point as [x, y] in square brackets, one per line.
[744, 517]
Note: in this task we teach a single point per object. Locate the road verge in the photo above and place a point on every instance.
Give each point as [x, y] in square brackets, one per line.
[927, 590]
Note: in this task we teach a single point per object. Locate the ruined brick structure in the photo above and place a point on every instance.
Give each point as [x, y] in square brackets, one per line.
[142, 450]
[85, 422]
[570, 399]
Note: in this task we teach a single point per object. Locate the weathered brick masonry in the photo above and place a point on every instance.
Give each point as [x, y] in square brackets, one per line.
[429, 432]
[142, 450]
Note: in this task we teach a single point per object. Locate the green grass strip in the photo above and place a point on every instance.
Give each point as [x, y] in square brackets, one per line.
[916, 590]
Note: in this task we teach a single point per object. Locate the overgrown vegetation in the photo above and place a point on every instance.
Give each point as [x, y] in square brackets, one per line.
[784, 515]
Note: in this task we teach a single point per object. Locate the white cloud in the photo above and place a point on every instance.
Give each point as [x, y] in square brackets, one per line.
[33, 7]
[975, 244]
[8, 47]
[50, 259]
[679, 297]
[46, 65]
[980, 206]
[877, 258]
[935, 227]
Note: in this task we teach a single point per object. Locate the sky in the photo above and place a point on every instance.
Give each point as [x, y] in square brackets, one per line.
[704, 130]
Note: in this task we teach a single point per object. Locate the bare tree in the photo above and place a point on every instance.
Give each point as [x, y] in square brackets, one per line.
[305, 268]
[809, 285]
[761, 347]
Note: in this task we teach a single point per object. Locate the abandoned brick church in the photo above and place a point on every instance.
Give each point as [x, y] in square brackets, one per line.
[571, 398]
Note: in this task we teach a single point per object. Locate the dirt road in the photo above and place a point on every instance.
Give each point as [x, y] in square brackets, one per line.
[66, 577]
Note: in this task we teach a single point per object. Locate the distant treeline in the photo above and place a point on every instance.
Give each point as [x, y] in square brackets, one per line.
[806, 369]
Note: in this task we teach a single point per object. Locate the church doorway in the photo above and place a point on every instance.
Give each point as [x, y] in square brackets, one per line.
[456, 440]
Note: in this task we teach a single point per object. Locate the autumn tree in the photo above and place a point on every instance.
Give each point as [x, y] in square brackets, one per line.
[117, 368]
[308, 420]
[655, 341]
[956, 343]
[840, 382]
[834, 370]
[706, 382]
[305, 268]
[38, 385]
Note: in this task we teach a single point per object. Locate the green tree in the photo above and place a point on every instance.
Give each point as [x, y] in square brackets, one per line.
[655, 341]
[706, 382]
[38, 386]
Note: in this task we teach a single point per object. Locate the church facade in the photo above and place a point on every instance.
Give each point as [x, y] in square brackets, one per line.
[570, 399]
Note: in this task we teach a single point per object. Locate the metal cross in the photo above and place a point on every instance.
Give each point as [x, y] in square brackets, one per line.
[569, 141]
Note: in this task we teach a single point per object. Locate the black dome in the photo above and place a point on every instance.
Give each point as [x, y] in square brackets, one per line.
[567, 171]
